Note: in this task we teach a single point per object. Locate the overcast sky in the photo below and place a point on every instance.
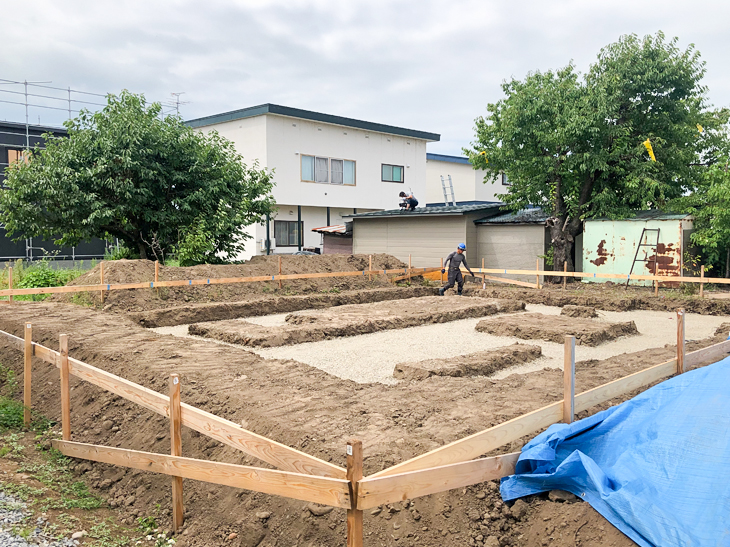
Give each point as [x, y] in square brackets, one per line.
[423, 64]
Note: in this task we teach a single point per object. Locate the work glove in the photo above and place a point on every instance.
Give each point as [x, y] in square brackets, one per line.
[443, 271]
[471, 273]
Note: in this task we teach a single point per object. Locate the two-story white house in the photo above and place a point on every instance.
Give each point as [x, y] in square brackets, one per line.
[324, 167]
[468, 184]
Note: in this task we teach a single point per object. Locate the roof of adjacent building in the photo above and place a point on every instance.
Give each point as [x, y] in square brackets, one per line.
[525, 216]
[652, 214]
[339, 229]
[269, 108]
[450, 159]
[446, 210]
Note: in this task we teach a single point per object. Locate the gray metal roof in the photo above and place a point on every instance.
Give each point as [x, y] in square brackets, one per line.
[653, 214]
[447, 210]
[525, 216]
[449, 159]
[269, 108]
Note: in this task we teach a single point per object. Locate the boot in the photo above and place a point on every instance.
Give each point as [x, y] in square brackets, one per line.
[459, 293]
[441, 291]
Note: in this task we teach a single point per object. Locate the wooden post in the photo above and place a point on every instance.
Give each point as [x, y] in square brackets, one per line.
[656, 287]
[102, 282]
[280, 272]
[702, 282]
[65, 393]
[484, 277]
[27, 373]
[442, 271]
[157, 271]
[565, 271]
[370, 268]
[409, 267]
[176, 450]
[569, 380]
[10, 282]
[680, 341]
[537, 273]
[354, 474]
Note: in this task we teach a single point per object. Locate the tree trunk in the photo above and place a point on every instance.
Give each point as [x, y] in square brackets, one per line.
[563, 241]
[142, 250]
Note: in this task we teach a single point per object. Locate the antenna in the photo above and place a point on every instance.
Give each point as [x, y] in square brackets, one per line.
[177, 102]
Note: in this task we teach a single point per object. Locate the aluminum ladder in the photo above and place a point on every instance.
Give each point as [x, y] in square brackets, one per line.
[450, 189]
[647, 244]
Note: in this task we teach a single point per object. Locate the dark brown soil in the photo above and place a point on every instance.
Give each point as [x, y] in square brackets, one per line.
[554, 328]
[482, 363]
[136, 271]
[307, 409]
[351, 320]
[215, 311]
[579, 311]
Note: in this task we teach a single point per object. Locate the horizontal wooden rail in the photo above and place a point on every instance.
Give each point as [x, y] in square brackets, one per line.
[624, 277]
[220, 429]
[715, 353]
[327, 491]
[374, 491]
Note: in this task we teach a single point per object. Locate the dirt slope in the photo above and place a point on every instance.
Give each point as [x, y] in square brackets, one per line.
[304, 408]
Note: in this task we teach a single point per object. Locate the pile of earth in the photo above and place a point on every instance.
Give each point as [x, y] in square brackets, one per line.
[137, 271]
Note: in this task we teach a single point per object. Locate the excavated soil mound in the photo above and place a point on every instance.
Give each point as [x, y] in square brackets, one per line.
[351, 320]
[554, 328]
[137, 271]
[218, 311]
[482, 363]
[578, 311]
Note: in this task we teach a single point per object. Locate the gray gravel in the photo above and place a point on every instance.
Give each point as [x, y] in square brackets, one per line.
[14, 513]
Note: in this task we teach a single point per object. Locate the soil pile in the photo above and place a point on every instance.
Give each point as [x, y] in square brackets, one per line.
[482, 363]
[554, 328]
[137, 271]
[352, 320]
[579, 311]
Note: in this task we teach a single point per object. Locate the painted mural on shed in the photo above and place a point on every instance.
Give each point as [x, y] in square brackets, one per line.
[651, 243]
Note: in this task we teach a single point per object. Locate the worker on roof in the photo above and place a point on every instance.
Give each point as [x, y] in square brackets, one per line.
[409, 200]
[453, 262]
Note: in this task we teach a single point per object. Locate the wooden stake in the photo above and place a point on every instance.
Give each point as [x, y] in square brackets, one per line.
[484, 277]
[680, 341]
[280, 272]
[537, 273]
[354, 474]
[569, 380]
[409, 267]
[65, 393]
[176, 450]
[442, 271]
[102, 282]
[565, 277]
[27, 373]
[10, 282]
[157, 271]
[370, 268]
[702, 277]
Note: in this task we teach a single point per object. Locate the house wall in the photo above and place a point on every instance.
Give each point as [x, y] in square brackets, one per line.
[427, 240]
[610, 246]
[512, 246]
[468, 184]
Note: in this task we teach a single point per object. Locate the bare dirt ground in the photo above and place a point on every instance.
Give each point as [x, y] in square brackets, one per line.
[531, 326]
[306, 408]
[579, 311]
[352, 320]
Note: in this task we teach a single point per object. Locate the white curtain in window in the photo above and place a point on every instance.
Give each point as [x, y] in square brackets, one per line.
[321, 169]
[336, 171]
[308, 168]
[349, 174]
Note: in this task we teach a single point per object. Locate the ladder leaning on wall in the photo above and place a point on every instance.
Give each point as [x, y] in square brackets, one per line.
[647, 244]
[450, 189]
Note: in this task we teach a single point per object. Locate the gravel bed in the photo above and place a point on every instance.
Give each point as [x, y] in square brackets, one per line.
[14, 512]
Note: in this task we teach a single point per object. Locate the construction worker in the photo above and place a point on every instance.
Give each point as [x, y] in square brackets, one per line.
[454, 261]
[409, 200]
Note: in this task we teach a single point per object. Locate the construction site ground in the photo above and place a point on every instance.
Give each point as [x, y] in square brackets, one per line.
[286, 394]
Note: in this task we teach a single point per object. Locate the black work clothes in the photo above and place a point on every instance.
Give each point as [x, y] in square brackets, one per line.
[455, 260]
[455, 277]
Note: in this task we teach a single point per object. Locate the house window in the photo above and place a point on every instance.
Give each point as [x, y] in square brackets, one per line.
[288, 233]
[392, 173]
[505, 180]
[326, 170]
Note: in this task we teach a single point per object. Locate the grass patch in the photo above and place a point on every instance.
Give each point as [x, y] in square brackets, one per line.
[38, 274]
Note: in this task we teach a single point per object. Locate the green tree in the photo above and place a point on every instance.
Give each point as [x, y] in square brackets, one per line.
[574, 145]
[126, 172]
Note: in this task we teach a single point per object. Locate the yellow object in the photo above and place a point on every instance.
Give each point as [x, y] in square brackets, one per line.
[700, 128]
[483, 153]
[649, 149]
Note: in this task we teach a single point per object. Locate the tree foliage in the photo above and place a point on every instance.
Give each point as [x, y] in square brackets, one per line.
[126, 172]
[573, 144]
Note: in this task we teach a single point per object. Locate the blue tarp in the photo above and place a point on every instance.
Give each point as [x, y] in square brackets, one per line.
[657, 467]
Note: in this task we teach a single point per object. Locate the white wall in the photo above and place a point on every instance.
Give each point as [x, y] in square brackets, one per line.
[248, 135]
[287, 139]
[468, 182]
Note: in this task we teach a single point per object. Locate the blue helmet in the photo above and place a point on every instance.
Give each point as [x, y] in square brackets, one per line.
[462, 247]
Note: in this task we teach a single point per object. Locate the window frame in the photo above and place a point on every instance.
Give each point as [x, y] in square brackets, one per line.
[329, 170]
[402, 172]
[505, 180]
[287, 222]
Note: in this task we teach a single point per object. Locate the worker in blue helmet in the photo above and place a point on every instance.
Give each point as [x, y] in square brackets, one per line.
[453, 262]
